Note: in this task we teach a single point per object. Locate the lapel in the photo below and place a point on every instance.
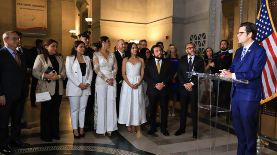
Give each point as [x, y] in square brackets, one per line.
[244, 60]
[186, 66]
[153, 65]
[87, 66]
[76, 67]
[12, 58]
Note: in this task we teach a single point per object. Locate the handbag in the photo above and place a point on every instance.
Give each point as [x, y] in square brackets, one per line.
[42, 97]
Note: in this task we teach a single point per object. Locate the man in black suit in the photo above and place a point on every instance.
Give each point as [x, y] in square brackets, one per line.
[223, 60]
[158, 76]
[188, 87]
[119, 55]
[12, 92]
[35, 51]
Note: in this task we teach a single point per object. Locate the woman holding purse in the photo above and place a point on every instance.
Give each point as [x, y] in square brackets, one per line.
[50, 71]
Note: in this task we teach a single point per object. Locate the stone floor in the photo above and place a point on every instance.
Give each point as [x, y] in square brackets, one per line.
[212, 140]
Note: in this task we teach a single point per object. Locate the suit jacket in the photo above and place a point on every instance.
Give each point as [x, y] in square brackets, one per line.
[249, 68]
[40, 66]
[222, 60]
[12, 76]
[152, 77]
[119, 59]
[75, 78]
[198, 66]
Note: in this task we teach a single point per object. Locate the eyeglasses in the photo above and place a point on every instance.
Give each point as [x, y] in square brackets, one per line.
[188, 48]
[240, 33]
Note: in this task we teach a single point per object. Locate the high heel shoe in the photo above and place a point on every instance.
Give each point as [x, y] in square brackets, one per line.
[82, 135]
[76, 136]
[109, 133]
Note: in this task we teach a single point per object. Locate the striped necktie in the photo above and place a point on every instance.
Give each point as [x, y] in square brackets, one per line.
[17, 58]
[244, 51]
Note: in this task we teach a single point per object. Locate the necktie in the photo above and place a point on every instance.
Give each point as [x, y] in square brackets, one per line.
[123, 55]
[158, 66]
[243, 53]
[190, 64]
[17, 58]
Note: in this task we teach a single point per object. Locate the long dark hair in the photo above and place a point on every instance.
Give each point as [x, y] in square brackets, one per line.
[206, 59]
[45, 51]
[76, 44]
[129, 48]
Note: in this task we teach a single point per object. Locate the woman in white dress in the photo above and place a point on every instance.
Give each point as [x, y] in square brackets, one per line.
[79, 73]
[132, 103]
[105, 66]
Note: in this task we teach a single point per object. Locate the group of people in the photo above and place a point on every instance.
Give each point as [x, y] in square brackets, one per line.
[125, 86]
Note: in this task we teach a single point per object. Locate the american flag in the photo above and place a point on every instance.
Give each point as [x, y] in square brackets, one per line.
[267, 37]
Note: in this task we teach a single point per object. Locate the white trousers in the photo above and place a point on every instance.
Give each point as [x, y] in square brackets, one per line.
[78, 106]
[105, 109]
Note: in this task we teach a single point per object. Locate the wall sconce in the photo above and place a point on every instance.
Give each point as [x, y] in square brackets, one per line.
[73, 34]
[89, 21]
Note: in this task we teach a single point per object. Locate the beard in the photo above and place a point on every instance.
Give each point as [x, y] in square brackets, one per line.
[224, 49]
[158, 57]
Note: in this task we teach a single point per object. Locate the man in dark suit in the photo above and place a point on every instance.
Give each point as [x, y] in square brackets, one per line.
[12, 92]
[188, 87]
[35, 51]
[223, 59]
[119, 55]
[248, 64]
[158, 76]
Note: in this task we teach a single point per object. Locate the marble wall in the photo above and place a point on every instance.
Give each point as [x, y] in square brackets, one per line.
[60, 20]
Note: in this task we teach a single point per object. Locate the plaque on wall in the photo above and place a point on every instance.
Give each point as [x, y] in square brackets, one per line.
[31, 17]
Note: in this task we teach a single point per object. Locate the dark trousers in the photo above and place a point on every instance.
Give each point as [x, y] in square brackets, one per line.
[49, 117]
[89, 116]
[154, 99]
[118, 90]
[13, 111]
[33, 90]
[223, 90]
[185, 98]
[245, 122]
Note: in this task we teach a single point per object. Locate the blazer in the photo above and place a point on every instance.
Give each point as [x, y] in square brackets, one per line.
[152, 77]
[75, 78]
[249, 68]
[198, 66]
[12, 76]
[40, 66]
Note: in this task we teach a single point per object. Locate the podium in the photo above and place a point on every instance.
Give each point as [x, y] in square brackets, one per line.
[208, 104]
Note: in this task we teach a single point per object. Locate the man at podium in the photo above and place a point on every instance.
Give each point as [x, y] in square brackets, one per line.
[248, 64]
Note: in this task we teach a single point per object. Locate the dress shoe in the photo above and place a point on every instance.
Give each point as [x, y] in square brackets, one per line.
[165, 133]
[56, 137]
[46, 139]
[179, 132]
[194, 136]
[19, 144]
[152, 133]
[6, 149]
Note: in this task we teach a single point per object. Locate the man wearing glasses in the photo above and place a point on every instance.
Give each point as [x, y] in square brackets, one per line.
[248, 64]
[188, 87]
[12, 91]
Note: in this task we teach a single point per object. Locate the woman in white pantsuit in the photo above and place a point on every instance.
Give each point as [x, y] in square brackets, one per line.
[79, 73]
[105, 66]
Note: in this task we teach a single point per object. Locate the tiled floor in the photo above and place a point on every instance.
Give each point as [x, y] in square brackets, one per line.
[211, 140]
